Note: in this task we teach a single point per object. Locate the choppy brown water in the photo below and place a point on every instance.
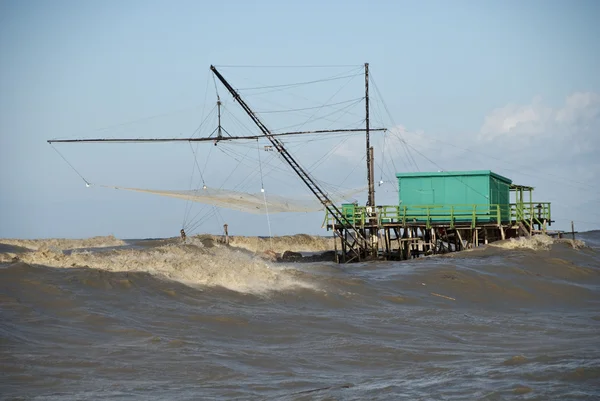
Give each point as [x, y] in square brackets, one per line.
[159, 320]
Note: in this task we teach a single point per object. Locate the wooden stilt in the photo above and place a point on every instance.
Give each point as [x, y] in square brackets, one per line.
[410, 243]
[337, 256]
[531, 224]
[461, 246]
[404, 244]
[387, 242]
[344, 248]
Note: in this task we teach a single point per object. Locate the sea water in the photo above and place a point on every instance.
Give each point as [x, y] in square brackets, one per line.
[104, 318]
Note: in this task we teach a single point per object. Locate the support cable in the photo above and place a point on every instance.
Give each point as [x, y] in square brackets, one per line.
[204, 187]
[358, 243]
[297, 83]
[318, 162]
[311, 118]
[197, 166]
[247, 181]
[333, 189]
[197, 222]
[262, 189]
[284, 88]
[87, 184]
[188, 203]
[202, 178]
[382, 159]
[308, 108]
[352, 171]
[289, 66]
[411, 158]
[204, 107]
[188, 210]
[206, 161]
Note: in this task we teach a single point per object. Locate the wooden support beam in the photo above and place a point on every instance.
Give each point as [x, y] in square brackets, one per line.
[337, 257]
[387, 242]
[404, 244]
[461, 246]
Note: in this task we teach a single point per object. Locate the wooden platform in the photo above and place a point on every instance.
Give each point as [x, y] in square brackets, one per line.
[405, 234]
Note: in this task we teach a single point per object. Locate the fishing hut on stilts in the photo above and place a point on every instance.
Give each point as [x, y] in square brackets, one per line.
[441, 212]
[436, 212]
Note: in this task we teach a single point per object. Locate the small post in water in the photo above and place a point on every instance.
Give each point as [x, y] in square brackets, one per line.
[226, 234]
[572, 230]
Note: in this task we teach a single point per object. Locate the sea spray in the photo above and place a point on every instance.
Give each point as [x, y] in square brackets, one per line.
[65, 243]
[217, 266]
[535, 243]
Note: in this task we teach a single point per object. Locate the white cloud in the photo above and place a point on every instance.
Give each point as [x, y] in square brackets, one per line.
[352, 149]
[580, 107]
[565, 132]
[514, 120]
[554, 149]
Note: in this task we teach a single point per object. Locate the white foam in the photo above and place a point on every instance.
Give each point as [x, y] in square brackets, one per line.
[536, 243]
[295, 243]
[189, 264]
[64, 243]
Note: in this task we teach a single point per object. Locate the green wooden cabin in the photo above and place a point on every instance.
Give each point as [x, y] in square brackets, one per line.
[451, 198]
[455, 195]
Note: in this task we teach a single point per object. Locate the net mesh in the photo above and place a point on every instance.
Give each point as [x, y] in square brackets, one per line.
[248, 202]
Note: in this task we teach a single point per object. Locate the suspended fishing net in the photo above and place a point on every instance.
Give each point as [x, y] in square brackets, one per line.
[258, 203]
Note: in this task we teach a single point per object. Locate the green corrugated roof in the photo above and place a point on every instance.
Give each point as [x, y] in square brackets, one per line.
[454, 174]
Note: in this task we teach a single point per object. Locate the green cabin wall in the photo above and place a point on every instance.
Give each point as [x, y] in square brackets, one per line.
[455, 188]
[500, 195]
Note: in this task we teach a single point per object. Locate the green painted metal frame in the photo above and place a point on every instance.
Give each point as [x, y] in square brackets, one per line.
[538, 212]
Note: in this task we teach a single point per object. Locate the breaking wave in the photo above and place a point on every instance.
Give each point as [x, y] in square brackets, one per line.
[204, 261]
[192, 264]
[295, 243]
[64, 243]
[536, 243]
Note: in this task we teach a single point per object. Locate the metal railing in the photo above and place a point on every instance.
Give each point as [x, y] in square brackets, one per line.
[536, 212]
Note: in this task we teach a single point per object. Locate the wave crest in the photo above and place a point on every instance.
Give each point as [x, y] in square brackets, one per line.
[538, 242]
[64, 243]
[218, 266]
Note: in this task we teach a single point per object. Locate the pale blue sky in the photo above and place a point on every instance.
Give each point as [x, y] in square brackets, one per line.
[454, 71]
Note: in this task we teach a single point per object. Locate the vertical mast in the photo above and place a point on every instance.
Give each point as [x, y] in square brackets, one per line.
[371, 199]
[219, 132]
